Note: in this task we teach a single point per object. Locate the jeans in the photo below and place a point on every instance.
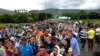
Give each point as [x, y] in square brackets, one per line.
[97, 39]
[83, 42]
[90, 43]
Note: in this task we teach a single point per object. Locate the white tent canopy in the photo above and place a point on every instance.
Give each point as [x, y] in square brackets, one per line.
[64, 17]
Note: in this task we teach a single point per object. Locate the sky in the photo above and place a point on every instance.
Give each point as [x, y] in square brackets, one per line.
[45, 4]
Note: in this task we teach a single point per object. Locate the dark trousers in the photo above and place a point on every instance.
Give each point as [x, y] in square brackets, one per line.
[97, 39]
[90, 43]
[83, 42]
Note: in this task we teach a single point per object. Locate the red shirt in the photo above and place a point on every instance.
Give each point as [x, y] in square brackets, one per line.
[46, 54]
[40, 33]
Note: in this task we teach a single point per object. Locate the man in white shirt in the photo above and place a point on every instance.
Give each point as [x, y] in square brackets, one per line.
[97, 30]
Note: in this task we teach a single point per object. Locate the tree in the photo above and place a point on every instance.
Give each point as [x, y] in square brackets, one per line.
[72, 15]
[22, 18]
[94, 15]
[82, 15]
[67, 14]
[34, 15]
[49, 15]
[43, 16]
[6, 18]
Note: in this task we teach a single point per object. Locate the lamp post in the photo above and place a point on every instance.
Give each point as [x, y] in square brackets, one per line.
[45, 10]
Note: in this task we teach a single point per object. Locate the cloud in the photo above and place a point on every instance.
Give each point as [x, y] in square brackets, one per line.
[52, 3]
[64, 4]
[21, 4]
[45, 4]
[90, 4]
[73, 4]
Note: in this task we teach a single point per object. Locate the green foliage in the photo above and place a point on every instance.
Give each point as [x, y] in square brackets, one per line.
[67, 14]
[16, 18]
[93, 15]
[82, 14]
[22, 18]
[34, 16]
[40, 16]
[43, 16]
[6, 18]
[49, 15]
[37, 16]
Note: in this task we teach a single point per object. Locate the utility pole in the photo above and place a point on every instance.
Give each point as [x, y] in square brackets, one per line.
[45, 10]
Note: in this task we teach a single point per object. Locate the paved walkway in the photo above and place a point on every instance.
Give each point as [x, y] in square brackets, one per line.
[87, 52]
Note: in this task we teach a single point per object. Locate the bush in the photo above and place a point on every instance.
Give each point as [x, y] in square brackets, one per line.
[6, 18]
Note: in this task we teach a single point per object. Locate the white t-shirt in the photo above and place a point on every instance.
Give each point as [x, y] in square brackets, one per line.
[70, 49]
[0, 36]
[75, 33]
[97, 31]
[17, 44]
[2, 52]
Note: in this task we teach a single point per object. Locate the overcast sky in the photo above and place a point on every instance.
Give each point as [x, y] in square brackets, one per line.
[40, 4]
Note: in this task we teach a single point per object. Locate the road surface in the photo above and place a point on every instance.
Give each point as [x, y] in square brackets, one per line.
[87, 52]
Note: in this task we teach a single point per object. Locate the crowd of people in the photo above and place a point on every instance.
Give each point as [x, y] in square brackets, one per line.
[48, 39]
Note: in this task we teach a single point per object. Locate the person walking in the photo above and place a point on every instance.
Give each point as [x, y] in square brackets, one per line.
[91, 35]
[83, 36]
[97, 33]
[74, 44]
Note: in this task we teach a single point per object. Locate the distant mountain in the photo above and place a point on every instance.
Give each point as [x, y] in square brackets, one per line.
[4, 11]
[57, 11]
[53, 11]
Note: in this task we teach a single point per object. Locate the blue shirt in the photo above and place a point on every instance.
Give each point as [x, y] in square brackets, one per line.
[49, 47]
[25, 50]
[35, 48]
[75, 46]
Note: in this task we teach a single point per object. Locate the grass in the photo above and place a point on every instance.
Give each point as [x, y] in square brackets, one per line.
[14, 24]
[95, 21]
[5, 24]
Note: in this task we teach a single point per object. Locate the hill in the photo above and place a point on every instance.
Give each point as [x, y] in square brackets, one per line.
[4, 11]
[57, 11]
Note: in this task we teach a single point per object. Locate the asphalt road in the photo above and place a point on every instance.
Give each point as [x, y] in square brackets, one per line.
[88, 52]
